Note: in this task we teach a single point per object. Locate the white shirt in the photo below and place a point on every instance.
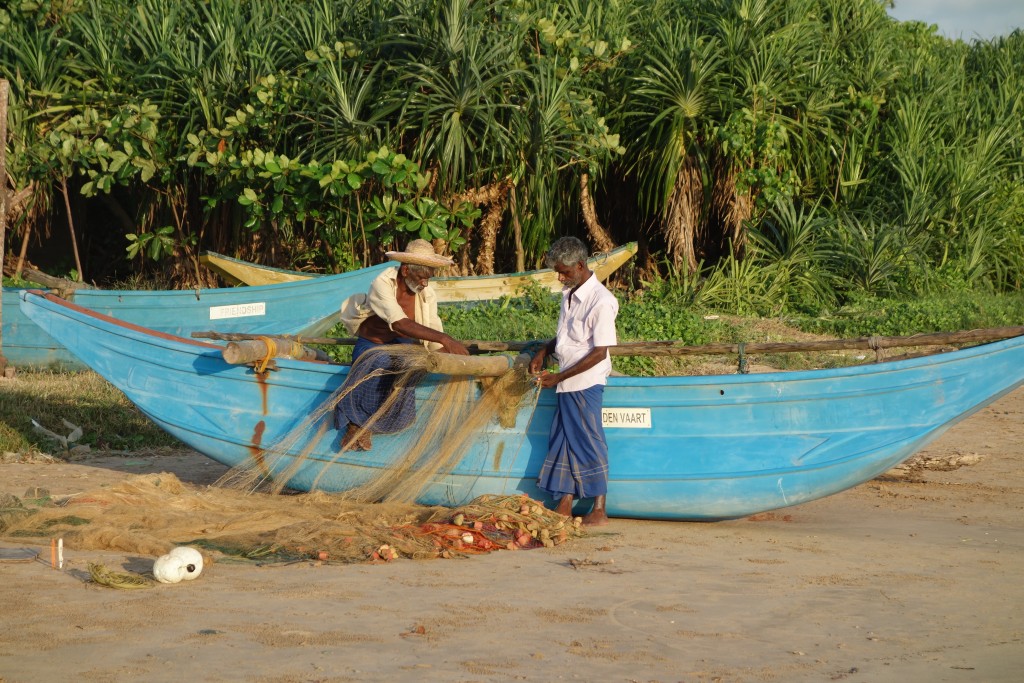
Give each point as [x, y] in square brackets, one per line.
[587, 319]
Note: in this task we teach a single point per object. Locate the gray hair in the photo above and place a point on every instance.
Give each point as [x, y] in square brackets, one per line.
[566, 251]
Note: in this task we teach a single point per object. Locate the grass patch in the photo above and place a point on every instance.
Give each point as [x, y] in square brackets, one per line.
[902, 317]
[108, 420]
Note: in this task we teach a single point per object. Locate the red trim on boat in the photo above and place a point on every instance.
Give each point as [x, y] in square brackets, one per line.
[120, 323]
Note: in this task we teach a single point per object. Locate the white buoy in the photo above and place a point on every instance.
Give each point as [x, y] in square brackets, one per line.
[181, 564]
[192, 559]
[168, 569]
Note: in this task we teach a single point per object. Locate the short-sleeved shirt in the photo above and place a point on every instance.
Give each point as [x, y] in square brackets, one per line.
[382, 301]
[587, 319]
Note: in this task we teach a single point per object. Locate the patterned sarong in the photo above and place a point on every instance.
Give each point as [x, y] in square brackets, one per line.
[577, 461]
[360, 404]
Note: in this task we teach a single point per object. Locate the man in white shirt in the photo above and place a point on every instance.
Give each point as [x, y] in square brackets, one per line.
[577, 461]
[400, 308]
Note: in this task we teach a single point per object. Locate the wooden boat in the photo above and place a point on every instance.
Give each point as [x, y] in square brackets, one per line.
[682, 448]
[449, 289]
[310, 307]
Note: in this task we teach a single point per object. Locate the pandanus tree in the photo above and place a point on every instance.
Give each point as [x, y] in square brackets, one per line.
[709, 121]
[811, 145]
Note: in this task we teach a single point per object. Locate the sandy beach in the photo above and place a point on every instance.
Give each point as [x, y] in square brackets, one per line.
[915, 576]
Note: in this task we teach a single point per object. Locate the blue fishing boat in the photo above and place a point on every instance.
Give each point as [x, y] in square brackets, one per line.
[303, 307]
[681, 448]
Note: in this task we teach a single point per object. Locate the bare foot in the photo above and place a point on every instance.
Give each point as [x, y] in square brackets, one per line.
[597, 515]
[565, 506]
[595, 518]
[351, 443]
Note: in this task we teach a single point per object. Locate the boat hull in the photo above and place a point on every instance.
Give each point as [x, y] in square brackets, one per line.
[681, 448]
[311, 307]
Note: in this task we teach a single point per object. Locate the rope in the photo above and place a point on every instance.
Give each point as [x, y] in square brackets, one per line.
[126, 581]
[261, 366]
[874, 342]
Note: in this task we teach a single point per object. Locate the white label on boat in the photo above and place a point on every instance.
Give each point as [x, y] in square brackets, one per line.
[238, 310]
[626, 418]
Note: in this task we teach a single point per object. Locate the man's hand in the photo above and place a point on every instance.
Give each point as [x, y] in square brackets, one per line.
[548, 380]
[537, 362]
[452, 345]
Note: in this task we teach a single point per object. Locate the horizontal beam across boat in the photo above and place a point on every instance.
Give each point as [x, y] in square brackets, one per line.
[675, 348]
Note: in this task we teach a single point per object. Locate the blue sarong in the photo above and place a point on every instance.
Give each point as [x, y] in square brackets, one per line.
[360, 404]
[577, 461]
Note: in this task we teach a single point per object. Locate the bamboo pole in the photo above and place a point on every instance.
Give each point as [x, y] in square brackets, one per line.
[673, 348]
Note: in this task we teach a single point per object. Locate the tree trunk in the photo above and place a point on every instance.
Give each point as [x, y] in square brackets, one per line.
[681, 224]
[495, 198]
[24, 250]
[517, 230]
[730, 209]
[4, 86]
[598, 235]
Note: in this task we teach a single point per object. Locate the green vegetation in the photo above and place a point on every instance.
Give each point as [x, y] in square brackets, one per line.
[783, 157]
[889, 317]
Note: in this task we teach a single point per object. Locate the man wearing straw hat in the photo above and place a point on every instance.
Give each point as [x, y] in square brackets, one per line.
[400, 308]
[577, 461]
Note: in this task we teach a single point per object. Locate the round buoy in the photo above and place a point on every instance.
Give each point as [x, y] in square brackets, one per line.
[168, 569]
[181, 564]
[192, 561]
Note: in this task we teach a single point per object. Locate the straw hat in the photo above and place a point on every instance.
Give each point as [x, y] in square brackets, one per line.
[420, 253]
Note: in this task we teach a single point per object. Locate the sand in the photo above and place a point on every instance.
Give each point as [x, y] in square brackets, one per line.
[915, 576]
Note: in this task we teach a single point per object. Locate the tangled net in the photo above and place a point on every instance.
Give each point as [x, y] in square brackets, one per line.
[448, 422]
[151, 514]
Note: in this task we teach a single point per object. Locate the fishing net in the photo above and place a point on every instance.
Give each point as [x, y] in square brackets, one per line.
[151, 514]
[446, 424]
[250, 515]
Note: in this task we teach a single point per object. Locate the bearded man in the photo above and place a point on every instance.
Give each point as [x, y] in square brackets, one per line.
[400, 308]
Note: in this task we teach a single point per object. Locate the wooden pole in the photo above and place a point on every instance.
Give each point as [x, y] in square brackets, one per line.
[24, 250]
[468, 366]
[253, 350]
[256, 350]
[673, 348]
[4, 89]
[58, 283]
[71, 227]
